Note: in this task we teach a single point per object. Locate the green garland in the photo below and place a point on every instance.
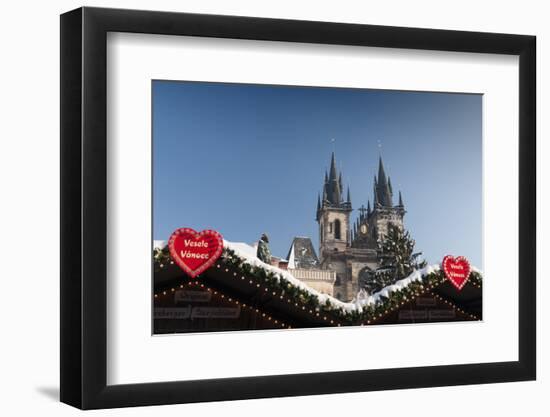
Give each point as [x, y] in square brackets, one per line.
[161, 256]
[278, 283]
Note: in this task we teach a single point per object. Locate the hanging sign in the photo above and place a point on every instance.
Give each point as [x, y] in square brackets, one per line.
[195, 252]
[216, 312]
[457, 270]
[190, 296]
[172, 313]
[442, 314]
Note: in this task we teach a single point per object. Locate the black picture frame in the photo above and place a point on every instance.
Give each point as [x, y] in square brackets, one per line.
[84, 207]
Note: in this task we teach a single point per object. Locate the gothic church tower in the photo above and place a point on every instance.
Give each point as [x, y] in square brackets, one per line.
[352, 251]
[333, 215]
[384, 213]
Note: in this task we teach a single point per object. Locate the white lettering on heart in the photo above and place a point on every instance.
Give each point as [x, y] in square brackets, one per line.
[195, 244]
[191, 255]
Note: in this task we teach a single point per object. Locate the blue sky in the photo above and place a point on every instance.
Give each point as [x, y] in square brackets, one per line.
[247, 159]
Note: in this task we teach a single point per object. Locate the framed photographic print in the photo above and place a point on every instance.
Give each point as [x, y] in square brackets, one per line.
[257, 207]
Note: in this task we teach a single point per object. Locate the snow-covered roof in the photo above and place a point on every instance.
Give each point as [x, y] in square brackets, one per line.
[356, 305]
[248, 254]
[244, 253]
[159, 244]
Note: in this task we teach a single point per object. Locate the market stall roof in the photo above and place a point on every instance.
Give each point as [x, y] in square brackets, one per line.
[240, 273]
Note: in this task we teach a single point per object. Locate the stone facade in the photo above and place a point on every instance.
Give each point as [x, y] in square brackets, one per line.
[321, 280]
[303, 263]
[350, 249]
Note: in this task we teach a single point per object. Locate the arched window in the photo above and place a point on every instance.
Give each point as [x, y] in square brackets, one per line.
[337, 234]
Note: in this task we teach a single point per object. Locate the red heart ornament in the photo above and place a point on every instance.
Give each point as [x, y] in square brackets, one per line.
[193, 251]
[457, 270]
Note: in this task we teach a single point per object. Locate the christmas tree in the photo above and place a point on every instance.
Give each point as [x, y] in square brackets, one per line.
[398, 259]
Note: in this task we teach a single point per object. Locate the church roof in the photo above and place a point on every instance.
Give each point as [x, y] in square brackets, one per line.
[302, 254]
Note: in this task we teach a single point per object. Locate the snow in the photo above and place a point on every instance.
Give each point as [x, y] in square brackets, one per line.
[291, 263]
[159, 244]
[247, 251]
[361, 301]
[417, 275]
[248, 254]
[474, 269]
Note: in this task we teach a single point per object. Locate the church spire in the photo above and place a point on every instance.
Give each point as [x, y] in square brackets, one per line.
[381, 172]
[333, 186]
[333, 189]
[332, 176]
[383, 187]
[400, 200]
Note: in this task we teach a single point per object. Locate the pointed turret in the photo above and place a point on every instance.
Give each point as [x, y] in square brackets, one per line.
[340, 184]
[318, 211]
[325, 188]
[348, 199]
[368, 208]
[400, 200]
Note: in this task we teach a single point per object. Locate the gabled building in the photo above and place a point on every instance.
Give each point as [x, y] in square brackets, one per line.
[304, 265]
